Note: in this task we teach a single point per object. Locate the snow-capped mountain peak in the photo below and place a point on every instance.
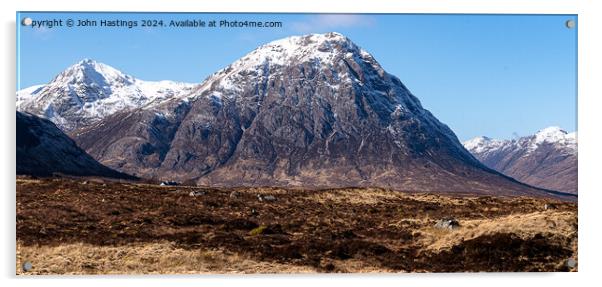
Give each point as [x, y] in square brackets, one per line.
[292, 111]
[545, 159]
[554, 135]
[551, 135]
[321, 47]
[91, 74]
[88, 91]
[481, 144]
[91, 71]
[307, 52]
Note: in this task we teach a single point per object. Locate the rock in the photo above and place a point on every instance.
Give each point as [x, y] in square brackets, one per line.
[447, 223]
[262, 197]
[234, 194]
[197, 193]
[571, 263]
[549, 206]
[27, 266]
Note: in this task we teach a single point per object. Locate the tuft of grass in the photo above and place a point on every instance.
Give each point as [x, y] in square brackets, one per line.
[258, 230]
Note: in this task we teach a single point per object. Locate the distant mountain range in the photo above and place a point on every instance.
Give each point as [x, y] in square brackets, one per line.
[90, 91]
[44, 150]
[547, 159]
[313, 111]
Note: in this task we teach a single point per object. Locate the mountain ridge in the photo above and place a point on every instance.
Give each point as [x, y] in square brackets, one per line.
[313, 111]
[44, 150]
[547, 159]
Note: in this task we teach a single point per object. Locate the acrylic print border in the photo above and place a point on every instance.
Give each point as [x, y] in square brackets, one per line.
[268, 198]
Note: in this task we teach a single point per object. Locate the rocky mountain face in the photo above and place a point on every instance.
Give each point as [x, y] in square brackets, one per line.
[547, 159]
[311, 111]
[43, 150]
[89, 91]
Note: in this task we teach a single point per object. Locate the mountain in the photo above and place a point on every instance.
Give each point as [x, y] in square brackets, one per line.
[43, 150]
[89, 91]
[547, 159]
[312, 111]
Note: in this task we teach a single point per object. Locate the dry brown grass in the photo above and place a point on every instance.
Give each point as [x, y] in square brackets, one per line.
[141, 258]
[523, 225]
[355, 196]
[160, 258]
[66, 226]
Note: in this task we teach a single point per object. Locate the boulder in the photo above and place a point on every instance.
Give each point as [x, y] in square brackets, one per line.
[197, 193]
[549, 206]
[447, 223]
[262, 197]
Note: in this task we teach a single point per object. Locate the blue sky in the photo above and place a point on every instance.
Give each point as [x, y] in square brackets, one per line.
[496, 75]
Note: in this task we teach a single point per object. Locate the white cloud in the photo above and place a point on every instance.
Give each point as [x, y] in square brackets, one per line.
[332, 21]
[41, 33]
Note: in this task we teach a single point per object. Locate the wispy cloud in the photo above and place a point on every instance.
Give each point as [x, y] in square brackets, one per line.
[42, 33]
[332, 21]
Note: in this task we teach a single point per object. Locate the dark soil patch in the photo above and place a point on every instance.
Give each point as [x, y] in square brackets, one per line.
[501, 252]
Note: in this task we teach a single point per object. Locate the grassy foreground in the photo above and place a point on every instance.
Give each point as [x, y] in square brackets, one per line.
[92, 226]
